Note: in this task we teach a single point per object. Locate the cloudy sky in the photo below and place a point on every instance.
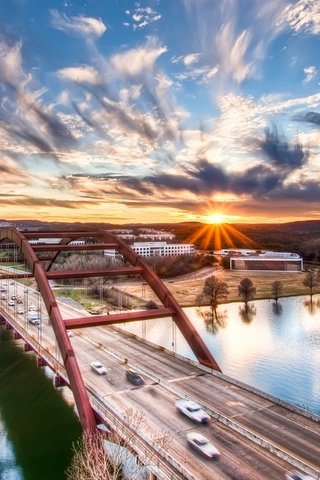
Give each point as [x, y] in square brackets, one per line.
[160, 111]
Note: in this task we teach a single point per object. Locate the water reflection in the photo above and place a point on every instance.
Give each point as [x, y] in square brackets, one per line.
[277, 308]
[312, 305]
[8, 467]
[247, 313]
[213, 319]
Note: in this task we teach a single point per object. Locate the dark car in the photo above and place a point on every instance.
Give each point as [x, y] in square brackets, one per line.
[134, 377]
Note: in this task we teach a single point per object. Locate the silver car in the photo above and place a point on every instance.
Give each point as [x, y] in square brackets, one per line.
[98, 368]
[192, 410]
[202, 445]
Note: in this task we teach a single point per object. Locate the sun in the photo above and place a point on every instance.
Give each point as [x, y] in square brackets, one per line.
[215, 218]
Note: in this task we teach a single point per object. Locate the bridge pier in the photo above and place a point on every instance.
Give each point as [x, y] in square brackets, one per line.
[59, 381]
[41, 362]
[27, 347]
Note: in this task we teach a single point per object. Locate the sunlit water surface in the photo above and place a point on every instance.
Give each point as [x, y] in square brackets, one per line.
[276, 350]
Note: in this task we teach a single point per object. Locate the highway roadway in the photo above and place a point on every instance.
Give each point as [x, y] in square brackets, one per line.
[168, 379]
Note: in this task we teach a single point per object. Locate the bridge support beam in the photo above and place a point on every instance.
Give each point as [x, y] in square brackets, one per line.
[59, 381]
[27, 347]
[41, 362]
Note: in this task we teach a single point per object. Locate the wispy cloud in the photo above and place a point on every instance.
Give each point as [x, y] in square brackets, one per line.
[191, 58]
[310, 73]
[135, 61]
[238, 51]
[142, 17]
[85, 74]
[79, 26]
[11, 72]
[23, 118]
[302, 16]
[309, 117]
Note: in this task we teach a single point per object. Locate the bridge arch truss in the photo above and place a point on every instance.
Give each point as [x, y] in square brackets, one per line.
[41, 270]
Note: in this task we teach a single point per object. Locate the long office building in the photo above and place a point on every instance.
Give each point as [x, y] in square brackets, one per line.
[158, 249]
[267, 261]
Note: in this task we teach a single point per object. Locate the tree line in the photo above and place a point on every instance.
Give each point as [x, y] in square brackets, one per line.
[216, 291]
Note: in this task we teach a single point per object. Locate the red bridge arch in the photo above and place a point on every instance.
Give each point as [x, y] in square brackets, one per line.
[101, 240]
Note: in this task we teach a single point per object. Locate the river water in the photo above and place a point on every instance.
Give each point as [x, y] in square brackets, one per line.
[274, 349]
[37, 426]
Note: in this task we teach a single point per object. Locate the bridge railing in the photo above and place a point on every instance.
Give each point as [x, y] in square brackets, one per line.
[149, 453]
[52, 362]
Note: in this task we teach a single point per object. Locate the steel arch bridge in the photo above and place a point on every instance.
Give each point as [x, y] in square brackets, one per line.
[41, 270]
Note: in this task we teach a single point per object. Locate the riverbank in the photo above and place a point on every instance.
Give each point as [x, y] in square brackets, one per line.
[188, 287]
[186, 291]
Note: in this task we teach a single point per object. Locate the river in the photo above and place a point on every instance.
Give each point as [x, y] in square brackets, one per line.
[274, 349]
[37, 426]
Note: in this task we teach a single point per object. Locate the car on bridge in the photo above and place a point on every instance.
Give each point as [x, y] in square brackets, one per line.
[33, 318]
[34, 321]
[202, 445]
[192, 410]
[11, 303]
[134, 377]
[20, 311]
[297, 476]
[98, 368]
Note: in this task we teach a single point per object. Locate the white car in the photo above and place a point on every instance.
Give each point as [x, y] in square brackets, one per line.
[202, 445]
[34, 321]
[20, 311]
[297, 476]
[192, 410]
[98, 368]
[11, 303]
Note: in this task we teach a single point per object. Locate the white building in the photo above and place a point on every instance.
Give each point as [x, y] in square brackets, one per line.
[155, 234]
[54, 241]
[266, 261]
[158, 249]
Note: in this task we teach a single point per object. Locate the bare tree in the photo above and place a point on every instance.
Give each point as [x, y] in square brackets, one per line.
[311, 281]
[111, 458]
[247, 291]
[276, 289]
[214, 291]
